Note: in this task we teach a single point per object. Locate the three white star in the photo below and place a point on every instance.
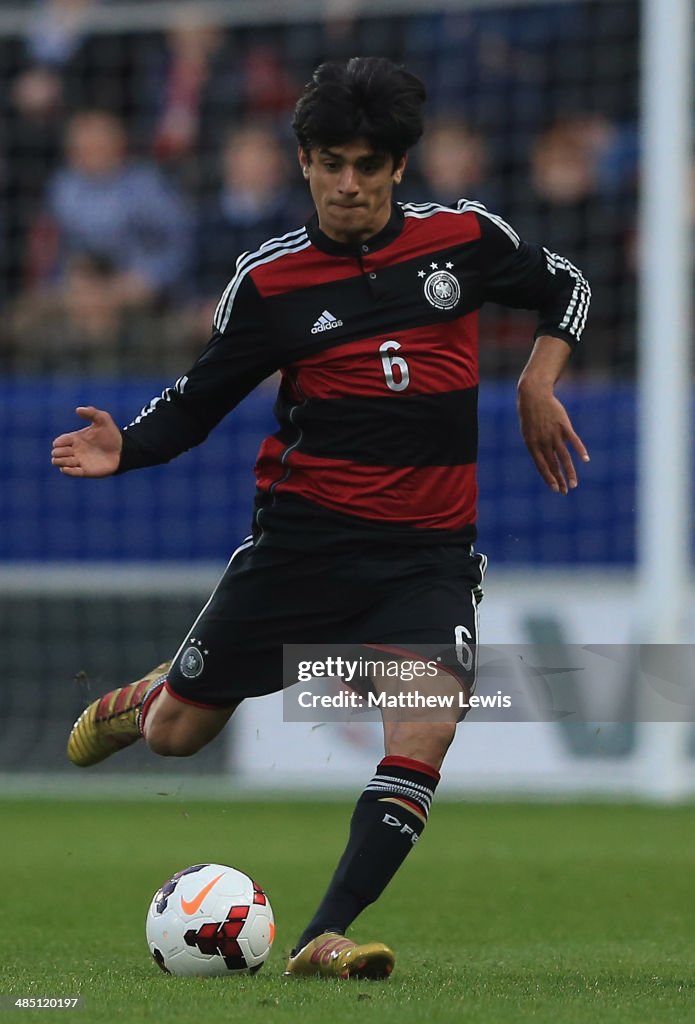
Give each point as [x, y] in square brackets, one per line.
[435, 266]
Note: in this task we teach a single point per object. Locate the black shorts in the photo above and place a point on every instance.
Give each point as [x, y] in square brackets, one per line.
[367, 595]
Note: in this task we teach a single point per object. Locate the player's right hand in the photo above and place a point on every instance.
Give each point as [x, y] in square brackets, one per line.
[93, 451]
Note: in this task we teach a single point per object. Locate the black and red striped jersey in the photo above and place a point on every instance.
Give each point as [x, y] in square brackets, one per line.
[377, 347]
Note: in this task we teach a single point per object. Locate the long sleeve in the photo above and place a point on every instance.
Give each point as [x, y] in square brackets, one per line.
[234, 362]
[526, 276]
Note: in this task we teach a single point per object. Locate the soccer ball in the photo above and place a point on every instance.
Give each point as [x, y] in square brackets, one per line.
[210, 920]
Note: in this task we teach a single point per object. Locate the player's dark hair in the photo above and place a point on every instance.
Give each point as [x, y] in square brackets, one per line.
[364, 98]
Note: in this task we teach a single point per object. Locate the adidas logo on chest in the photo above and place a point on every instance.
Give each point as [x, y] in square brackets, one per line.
[326, 322]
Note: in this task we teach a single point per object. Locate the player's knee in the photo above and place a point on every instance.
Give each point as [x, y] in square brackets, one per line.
[171, 742]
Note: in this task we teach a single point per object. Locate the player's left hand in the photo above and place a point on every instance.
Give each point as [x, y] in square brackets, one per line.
[547, 430]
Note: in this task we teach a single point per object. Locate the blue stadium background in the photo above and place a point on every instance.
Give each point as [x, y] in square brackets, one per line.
[198, 507]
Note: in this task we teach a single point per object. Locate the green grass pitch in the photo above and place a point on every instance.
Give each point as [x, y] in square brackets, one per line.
[503, 913]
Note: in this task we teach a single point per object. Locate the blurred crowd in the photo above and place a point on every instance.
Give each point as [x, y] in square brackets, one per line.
[136, 166]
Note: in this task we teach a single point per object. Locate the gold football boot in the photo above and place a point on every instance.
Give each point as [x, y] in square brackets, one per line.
[112, 722]
[331, 955]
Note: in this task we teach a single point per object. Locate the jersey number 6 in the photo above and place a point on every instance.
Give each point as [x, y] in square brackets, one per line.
[399, 380]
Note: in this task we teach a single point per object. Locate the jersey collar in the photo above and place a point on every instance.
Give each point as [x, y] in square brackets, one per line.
[389, 233]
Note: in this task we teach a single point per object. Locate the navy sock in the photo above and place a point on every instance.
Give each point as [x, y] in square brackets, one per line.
[388, 819]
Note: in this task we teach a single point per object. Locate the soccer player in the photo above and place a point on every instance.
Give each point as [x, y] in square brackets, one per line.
[366, 496]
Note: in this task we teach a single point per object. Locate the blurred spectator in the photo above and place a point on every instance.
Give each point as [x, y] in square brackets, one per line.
[90, 69]
[200, 77]
[57, 31]
[566, 209]
[453, 162]
[193, 45]
[257, 200]
[495, 63]
[83, 327]
[270, 89]
[32, 142]
[37, 95]
[193, 83]
[507, 68]
[57, 67]
[342, 32]
[106, 206]
[565, 159]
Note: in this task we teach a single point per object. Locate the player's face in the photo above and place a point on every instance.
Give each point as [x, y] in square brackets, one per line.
[351, 187]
